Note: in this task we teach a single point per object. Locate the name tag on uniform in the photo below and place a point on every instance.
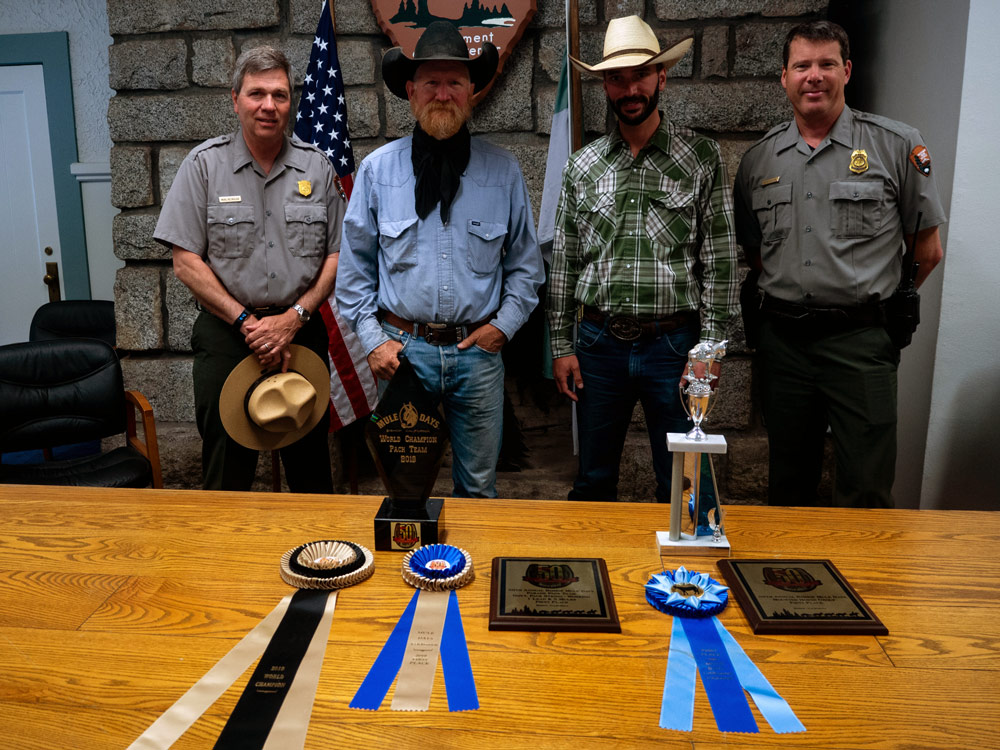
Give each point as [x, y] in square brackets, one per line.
[770, 181]
[230, 198]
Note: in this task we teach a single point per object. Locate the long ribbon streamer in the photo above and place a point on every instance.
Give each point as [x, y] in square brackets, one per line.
[725, 694]
[677, 709]
[458, 680]
[772, 706]
[258, 706]
[292, 725]
[177, 719]
[455, 663]
[379, 679]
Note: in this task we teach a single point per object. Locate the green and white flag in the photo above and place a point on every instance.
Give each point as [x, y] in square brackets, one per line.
[559, 150]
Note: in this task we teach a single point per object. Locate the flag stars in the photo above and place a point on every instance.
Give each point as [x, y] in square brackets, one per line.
[322, 109]
[327, 91]
[323, 44]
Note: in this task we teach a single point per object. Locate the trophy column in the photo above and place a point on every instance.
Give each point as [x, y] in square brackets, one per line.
[697, 399]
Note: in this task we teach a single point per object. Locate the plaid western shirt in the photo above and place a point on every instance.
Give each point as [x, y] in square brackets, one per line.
[645, 237]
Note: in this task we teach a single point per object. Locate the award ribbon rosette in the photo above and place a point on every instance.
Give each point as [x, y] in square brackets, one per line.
[699, 643]
[273, 711]
[431, 624]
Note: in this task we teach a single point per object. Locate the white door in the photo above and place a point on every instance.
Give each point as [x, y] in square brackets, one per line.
[29, 231]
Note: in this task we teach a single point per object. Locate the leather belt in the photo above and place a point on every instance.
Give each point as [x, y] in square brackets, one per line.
[438, 334]
[627, 328]
[848, 317]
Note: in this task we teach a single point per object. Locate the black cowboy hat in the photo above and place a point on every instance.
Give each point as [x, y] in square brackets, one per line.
[441, 41]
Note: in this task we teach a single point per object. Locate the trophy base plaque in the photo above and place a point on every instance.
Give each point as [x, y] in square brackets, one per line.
[675, 542]
[404, 527]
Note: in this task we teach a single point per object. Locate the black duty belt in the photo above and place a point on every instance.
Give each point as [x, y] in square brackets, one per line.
[263, 312]
[438, 334]
[830, 316]
[628, 328]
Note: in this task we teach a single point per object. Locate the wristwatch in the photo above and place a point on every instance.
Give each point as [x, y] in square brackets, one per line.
[304, 314]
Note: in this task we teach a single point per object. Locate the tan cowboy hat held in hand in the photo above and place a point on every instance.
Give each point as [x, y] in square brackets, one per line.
[269, 409]
[630, 43]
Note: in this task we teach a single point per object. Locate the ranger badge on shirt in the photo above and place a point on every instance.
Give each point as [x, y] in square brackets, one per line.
[305, 188]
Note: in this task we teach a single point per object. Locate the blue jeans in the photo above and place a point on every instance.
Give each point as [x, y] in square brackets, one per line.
[469, 385]
[616, 374]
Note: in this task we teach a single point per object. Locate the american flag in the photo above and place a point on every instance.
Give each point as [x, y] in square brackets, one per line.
[322, 116]
[322, 121]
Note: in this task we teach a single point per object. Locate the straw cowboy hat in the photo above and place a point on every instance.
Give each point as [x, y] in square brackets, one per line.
[630, 43]
[441, 41]
[269, 409]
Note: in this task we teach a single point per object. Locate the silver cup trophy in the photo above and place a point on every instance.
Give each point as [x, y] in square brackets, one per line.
[698, 398]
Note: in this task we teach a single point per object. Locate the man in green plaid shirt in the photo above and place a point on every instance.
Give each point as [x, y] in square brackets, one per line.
[643, 258]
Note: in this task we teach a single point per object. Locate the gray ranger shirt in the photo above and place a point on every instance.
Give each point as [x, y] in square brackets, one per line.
[829, 235]
[265, 236]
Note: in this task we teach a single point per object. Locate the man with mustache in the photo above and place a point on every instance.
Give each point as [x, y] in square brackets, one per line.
[439, 261]
[253, 221]
[644, 250]
[824, 204]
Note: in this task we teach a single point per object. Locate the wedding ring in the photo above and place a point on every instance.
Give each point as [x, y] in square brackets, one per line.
[267, 346]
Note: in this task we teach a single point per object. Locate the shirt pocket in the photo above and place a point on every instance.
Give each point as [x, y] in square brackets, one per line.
[670, 218]
[773, 208]
[596, 219]
[398, 242]
[486, 239]
[856, 208]
[306, 229]
[230, 231]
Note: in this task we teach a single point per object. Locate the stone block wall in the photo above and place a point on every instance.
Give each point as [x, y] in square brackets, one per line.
[170, 65]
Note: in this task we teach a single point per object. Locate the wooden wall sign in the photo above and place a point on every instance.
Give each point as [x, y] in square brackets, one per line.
[501, 22]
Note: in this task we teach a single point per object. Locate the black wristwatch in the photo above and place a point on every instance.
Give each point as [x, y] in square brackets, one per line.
[238, 323]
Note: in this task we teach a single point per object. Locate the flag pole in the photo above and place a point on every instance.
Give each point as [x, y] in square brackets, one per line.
[333, 15]
[575, 90]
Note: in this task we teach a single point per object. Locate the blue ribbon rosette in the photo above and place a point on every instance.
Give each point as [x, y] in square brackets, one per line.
[433, 570]
[700, 644]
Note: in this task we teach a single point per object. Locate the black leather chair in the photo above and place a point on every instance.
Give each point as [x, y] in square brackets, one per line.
[68, 391]
[74, 318]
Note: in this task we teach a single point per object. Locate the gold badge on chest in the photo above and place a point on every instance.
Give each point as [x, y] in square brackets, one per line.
[859, 161]
[306, 188]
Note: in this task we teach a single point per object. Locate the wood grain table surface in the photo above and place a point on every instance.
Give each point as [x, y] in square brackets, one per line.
[114, 602]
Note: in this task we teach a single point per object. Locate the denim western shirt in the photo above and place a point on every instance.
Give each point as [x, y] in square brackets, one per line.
[484, 262]
[647, 236]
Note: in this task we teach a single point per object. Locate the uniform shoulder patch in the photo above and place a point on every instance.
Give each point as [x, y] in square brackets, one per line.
[921, 159]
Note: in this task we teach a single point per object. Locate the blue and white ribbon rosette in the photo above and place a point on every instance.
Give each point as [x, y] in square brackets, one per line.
[700, 643]
[430, 623]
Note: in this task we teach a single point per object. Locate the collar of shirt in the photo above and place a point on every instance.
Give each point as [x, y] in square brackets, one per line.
[839, 133]
[288, 157]
[660, 139]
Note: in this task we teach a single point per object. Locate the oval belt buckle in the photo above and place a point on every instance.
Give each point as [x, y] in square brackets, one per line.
[624, 328]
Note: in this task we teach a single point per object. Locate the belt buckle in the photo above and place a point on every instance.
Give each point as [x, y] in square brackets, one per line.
[433, 331]
[624, 328]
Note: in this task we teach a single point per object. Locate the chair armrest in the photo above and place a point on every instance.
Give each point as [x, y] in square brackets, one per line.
[150, 448]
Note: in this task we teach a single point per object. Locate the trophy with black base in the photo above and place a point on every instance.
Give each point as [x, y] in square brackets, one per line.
[407, 437]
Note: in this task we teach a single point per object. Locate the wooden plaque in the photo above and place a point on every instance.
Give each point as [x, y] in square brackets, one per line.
[552, 594]
[798, 596]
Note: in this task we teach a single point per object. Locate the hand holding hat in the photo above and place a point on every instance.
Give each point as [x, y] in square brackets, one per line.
[264, 409]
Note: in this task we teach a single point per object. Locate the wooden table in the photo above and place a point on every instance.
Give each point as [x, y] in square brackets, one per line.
[114, 602]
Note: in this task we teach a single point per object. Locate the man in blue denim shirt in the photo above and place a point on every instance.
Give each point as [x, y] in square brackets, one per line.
[439, 261]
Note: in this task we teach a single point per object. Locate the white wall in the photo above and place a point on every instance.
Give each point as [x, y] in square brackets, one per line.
[919, 83]
[962, 463]
[86, 21]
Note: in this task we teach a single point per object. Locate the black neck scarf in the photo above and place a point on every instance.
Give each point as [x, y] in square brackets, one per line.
[438, 167]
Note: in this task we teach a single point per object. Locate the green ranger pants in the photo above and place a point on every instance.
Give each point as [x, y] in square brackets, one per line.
[227, 465]
[844, 378]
